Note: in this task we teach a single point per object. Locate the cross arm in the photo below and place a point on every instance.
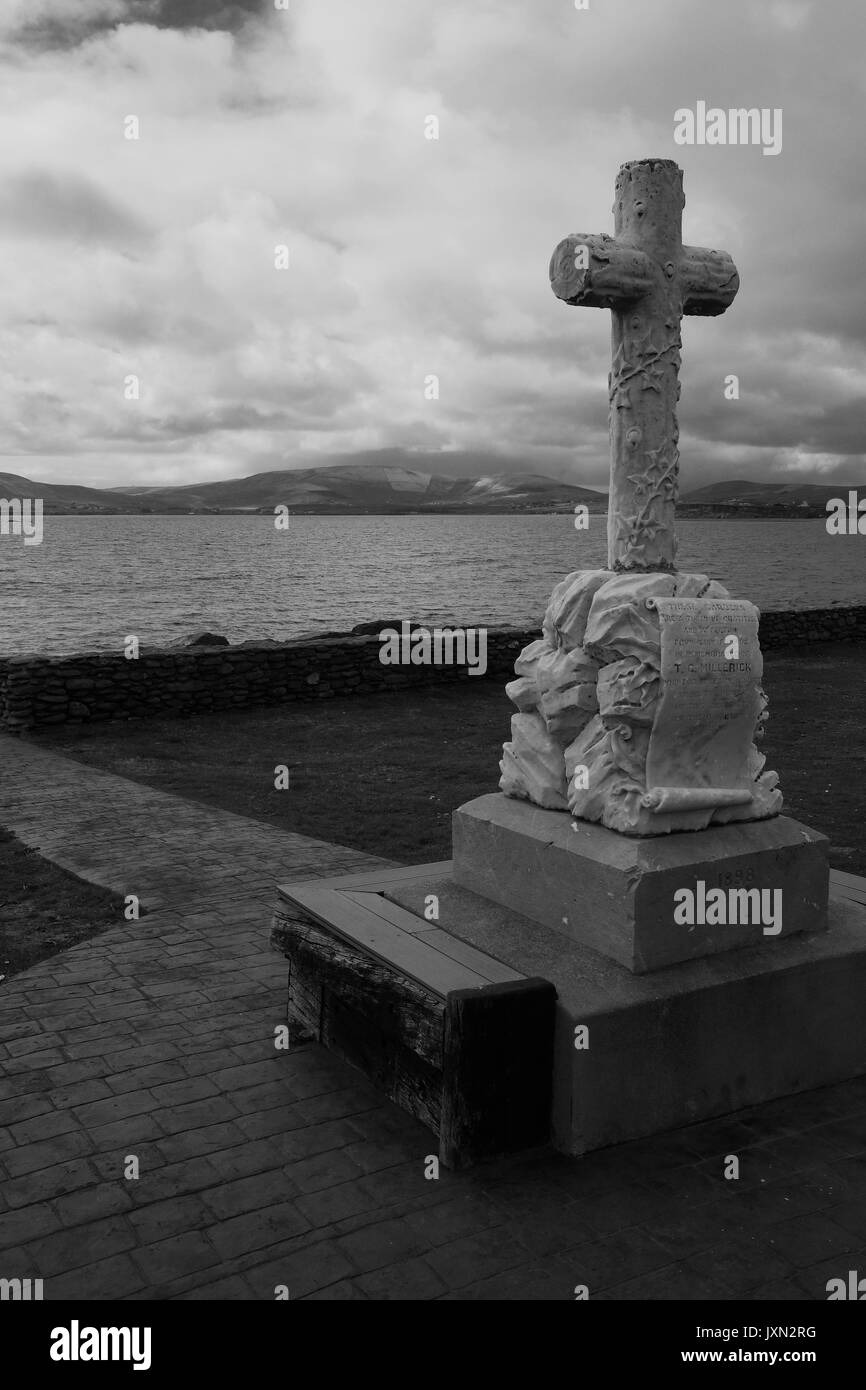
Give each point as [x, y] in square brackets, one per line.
[599, 271]
[709, 281]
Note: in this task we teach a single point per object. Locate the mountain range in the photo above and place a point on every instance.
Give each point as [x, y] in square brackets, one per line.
[377, 489]
[340, 489]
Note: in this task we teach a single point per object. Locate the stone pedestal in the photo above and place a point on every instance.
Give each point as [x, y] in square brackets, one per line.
[703, 1038]
[646, 903]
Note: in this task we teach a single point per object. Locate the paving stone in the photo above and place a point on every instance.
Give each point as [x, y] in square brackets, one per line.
[175, 1119]
[811, 1237]
[33, 1061]
[91, 1203]
[23, 1084]
[112, 1164]
[141, 1078]
[449, 1220]
[210, 1139]
[243, 1160]
[46, 1126]
[674, 1284]
[79, 1093]
[338, 1105]
[803, 1193]
[601, 1264]
[399, 1183]
[31, 1158]
[185, 1090]
[70, 1249]
[547, 1282]
[408, 1280]
[780, 1291]
[344, 1291]
[231, 1290]
[472, 1258]
[277, 1119]
[257, 1230]
[248, 1194]
[742, 1263]
[803, 1151]
[551, 1232]
[848, 1135]
[322, 1170]
[24, 1107]
[814, 1280]
[112, 1278]
[200, 1064]
[685, 1232]
[159, 1220]
[254, 1100]
[33, 1044]
[260, 1168]
[622, 1208]
[69, 1073]
[301, 1143]
[380, 1243]
[168, 1259]
[27, 1224]
[715, 1138]
[337, 1203]
[19, 1263]
[303, 1272]
[851, 1215]
[171, 1180]
[29, 1028]
[688, 1186]
[127, 1133]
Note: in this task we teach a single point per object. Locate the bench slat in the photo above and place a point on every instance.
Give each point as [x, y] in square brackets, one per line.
[388, 943]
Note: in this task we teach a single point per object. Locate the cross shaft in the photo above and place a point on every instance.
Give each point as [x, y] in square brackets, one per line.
[648, 279]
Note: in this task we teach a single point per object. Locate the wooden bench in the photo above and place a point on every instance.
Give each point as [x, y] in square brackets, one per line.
[457, 1038]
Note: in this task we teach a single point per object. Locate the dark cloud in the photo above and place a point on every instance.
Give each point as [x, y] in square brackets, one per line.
[43, 204]
[411, 256]
[57, 26]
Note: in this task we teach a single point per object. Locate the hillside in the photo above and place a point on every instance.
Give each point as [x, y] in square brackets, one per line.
[390, 487]
[341, 489]
[745, 494]
[61, 499]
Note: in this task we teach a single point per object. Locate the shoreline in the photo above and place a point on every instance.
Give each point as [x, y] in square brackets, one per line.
[694, 511]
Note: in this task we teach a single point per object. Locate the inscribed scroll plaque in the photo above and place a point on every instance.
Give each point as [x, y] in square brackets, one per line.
[701, 740]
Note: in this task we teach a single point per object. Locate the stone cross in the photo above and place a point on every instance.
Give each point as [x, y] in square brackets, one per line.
[648, 279]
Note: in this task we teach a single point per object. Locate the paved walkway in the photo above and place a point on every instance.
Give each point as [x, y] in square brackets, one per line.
[259, 1168]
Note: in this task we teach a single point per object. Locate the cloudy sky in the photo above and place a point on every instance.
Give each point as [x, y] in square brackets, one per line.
[305, 127]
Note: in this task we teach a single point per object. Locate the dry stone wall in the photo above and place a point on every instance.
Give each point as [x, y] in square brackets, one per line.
[39, 691]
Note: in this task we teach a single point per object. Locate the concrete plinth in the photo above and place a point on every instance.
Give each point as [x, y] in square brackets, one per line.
[646, 903]
[685, 1043]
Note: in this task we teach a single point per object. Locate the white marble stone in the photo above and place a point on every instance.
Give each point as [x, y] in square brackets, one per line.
[649, 713]
[533, 765]
[631, 712]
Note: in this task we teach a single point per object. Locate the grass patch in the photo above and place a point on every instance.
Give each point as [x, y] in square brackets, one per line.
[382, 773]
[44, 909]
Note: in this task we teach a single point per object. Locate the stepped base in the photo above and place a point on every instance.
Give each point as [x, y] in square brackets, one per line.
[618, 894]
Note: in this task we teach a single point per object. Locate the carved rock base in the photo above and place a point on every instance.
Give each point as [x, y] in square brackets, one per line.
[600, 722]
